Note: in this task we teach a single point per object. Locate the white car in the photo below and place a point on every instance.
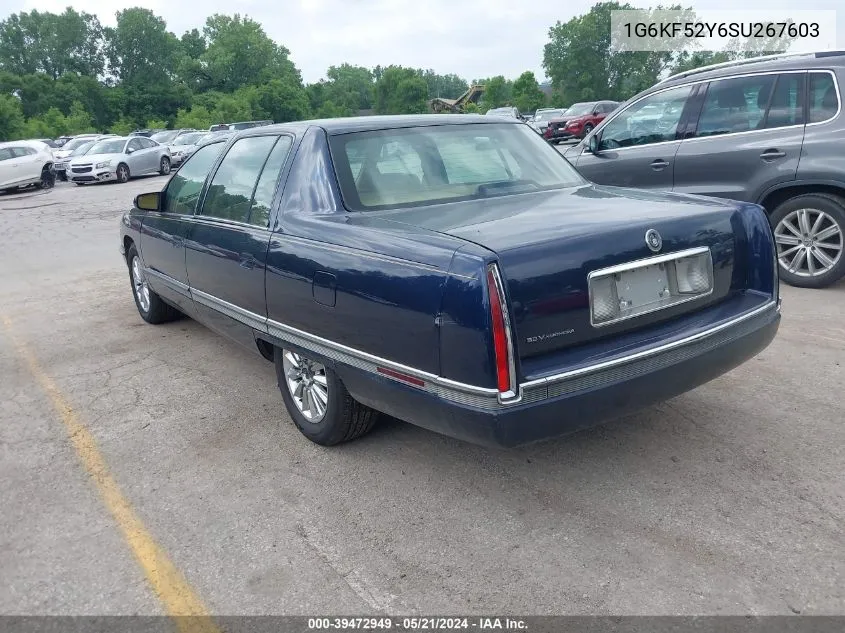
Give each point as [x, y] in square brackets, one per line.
[24, 163]
[70, 149]
[120, 158]
[183, 146]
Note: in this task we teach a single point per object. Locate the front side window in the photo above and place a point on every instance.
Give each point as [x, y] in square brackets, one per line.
[184, 188]
[441, 163]
[6, 153]
[23, 151]
[145, 143]
[135, 144]
[230, 192]
[653, 119]
[824, 102]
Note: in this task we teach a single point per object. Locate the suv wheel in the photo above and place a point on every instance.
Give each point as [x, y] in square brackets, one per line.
[810, 236]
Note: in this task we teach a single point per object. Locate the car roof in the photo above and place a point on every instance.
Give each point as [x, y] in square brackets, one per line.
[345, 125]
[799, 61]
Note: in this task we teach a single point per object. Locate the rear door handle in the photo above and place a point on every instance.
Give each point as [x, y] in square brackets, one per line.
[659, 164]
[772, 154]
[247, 261]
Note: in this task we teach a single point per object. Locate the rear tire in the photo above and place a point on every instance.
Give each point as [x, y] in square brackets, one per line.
[151, 307]
[48, 179]
[810, 240]
[334, 417]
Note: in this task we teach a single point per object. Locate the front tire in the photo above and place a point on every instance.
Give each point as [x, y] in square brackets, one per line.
[809, 237]
[151, 307]
[164, 166]
[318, 402]
[587, 129]
[122, 173]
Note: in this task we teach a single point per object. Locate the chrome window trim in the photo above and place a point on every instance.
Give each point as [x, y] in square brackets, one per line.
[451, 390]
[607, 121]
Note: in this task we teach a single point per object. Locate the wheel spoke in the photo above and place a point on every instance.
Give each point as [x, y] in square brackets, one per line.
[789, 251]
[293, 359]
[817, 224]
[297, 392]
[320, 379]
[811, 263]
[825, 261]
[318, 406]
[797, 260]
[804, 221]
[787, 224]
[827, 233]
[789, 240]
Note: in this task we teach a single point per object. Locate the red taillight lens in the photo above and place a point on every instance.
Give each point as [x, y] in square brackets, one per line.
[501, 335]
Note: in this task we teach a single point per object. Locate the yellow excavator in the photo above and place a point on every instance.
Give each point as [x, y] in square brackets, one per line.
[472, 95]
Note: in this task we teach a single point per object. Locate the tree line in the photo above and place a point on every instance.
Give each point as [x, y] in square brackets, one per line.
[66, 73]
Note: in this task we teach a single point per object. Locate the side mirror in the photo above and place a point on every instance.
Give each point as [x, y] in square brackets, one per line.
[593, 144]
[129, 150]
[148, 201]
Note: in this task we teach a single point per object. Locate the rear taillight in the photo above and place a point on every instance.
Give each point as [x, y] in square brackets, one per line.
[502, 341]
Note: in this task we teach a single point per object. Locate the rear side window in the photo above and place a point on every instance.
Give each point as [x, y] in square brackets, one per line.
[786, 106]
[735, 105]
[6, 153]
[184, 188]
[230, 192]
[824, 102]
[259, 214]
[23, 151]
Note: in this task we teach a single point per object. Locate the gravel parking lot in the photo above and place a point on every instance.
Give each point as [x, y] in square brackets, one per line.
[727, 500]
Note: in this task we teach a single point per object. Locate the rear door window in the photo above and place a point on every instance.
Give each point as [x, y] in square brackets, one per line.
[259, 214]
[233, 185]
[735, 105]
[824, 100]
[786, 107]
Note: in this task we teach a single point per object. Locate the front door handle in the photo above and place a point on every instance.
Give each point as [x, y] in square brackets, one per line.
[772, 154]
[659, 164]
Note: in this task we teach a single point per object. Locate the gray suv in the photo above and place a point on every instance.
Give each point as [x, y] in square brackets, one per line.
[767, 130]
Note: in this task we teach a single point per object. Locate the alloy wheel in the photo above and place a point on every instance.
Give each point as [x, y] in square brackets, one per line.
[809, 242]
[122, 174]
[165, 166]
[139, 283]
[308, 385]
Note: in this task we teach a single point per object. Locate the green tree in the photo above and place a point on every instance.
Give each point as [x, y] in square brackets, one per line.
[11, 117]
[400, 90]
[497, 92]
[240, 53]
[141, 51]
[51, 43]
[579, 60]
[448, 86]
[278, 100]
[197, 117]
[78, 119]
[156, 124]
[350, 87]
[527, 95]
[123, 126]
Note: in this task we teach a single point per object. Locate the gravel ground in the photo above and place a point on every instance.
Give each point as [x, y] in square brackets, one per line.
[727, 500]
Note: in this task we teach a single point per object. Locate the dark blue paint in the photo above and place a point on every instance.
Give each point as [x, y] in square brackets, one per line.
[409, 285]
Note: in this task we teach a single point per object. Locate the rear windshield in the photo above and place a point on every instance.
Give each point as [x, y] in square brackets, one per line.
[165, 137]
[386, 169]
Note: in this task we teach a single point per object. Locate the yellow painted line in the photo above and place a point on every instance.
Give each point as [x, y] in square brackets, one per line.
[168, 583]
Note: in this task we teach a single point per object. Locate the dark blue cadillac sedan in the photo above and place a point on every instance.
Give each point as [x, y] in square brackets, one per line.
[453, 271]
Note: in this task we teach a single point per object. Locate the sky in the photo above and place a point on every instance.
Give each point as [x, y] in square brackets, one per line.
[471, 38]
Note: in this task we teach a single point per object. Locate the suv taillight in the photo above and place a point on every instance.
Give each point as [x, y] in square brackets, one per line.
[502, 340]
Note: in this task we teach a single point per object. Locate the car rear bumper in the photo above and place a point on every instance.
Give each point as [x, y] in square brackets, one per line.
[554, 408]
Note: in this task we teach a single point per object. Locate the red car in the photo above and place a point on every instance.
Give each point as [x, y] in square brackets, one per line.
[578, 120]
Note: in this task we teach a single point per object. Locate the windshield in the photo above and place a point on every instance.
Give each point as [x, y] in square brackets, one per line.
[580, 109]
[428, 165]
[82, 149]
[501, 111]
[165, 137]
[110, 146]
[76, 142]
[189, 139]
